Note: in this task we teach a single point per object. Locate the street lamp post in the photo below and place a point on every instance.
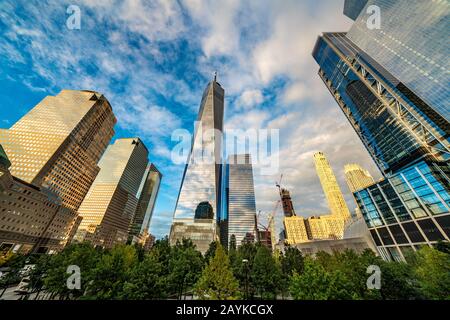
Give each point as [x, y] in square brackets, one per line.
[245, 262]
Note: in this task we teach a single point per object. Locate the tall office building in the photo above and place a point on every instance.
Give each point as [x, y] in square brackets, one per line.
[111, 203]
[202, 175]
[241, 205]
[391, 83]
[147, 200]
[419, 59]
[330, 187]
[352, 8]
[357, 178]
[58, 144]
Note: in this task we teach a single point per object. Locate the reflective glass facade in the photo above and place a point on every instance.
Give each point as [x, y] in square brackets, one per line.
[396, 126]
[241, 205]
[392, 85]
[111, 203]
[412, 44]
[352, 8]
[408, 209]
[202, 176]
[147, 200]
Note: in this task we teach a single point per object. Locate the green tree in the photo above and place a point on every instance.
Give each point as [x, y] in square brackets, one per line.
[265, 273]
[38, 274]
[232, 244]
[84, 255]
[432, 269]
[291, 261]
[217, 281]
[398, 281]
[185, 266]
[242, 264]
[211, 251]
[146, 280]
[111, 272]
[316, 283]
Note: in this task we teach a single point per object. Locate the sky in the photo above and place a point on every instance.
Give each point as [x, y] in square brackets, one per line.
[152, 61]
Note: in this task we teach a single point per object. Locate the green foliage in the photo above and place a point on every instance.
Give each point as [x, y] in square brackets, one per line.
[251, 271]
[313, 284]
[291, 261]
[432, 269]
[185, 265]
[265, 273]
[211, 251]
[398, 282]
[146, 280]
[107, 279]
[55, 281]
[217, 281]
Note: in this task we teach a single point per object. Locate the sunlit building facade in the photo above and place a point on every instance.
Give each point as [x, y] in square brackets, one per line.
[241, 204]
[147, 199]
[110, 205]
[58, 144]
[325, 227]
[295, 229]
[330, 186]
[202, 176]
[357, 178]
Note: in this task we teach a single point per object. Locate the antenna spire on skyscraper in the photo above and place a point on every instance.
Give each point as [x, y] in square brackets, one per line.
[215, 76]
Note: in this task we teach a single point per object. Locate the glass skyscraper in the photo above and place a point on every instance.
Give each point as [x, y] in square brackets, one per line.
[240, 202]
[111, 203]
[392, 85]
[352, 8]
[147, 200]
[202, 178]
[411, 44]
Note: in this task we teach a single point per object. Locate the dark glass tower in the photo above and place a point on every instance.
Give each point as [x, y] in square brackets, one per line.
[392, 85]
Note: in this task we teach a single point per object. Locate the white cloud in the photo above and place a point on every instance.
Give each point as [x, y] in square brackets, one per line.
[250, 98]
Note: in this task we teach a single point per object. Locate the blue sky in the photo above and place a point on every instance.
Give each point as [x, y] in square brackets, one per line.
[152, 60]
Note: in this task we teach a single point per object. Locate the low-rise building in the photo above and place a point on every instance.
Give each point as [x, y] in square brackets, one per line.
[31, 218]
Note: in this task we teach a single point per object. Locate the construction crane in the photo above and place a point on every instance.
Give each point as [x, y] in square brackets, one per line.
[272, 224]
[278, 184]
